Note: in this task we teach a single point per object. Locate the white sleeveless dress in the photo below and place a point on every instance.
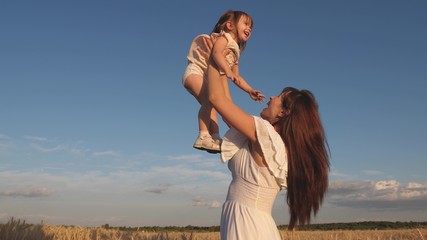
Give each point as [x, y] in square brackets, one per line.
[246, 213]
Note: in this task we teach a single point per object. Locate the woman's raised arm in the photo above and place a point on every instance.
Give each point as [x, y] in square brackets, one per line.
[229, 111]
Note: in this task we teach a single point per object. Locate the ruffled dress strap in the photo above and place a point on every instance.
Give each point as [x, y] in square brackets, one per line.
[232, 142]
[272, 147]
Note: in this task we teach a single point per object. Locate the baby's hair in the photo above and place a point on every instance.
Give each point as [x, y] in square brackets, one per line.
[234, 17]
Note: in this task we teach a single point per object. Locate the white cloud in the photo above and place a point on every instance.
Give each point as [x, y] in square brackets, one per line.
[34, 138]
[419, 186]
[380, 195]
[187, 173]
[35, 192]
[337, 174]
[47, 150]
[194, 158]
[83, 183]
[109, 153]
[202, 202]
[187, 158]
[392, 185]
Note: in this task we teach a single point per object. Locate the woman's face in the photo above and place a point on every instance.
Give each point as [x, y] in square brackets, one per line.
[274, 109]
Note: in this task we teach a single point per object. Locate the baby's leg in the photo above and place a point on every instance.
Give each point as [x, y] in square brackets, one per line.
[195, 84]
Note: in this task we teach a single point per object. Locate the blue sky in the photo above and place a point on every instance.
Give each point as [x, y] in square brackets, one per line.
[96, 128]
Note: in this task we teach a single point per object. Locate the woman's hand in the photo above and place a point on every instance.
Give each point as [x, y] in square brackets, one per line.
[208, 43]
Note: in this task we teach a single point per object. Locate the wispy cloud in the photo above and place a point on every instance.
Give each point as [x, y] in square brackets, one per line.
[159, 189]
[109, 153]
[36, 192]
[4, 147]
[188, 173]
[6, 144]
[47, 150]
[2, 136]
[338, 174]
[378, 195]
[35, 138]
[202, 202]
[373, 172]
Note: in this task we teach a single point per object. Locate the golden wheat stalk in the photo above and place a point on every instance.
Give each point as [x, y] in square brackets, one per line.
[422, 237]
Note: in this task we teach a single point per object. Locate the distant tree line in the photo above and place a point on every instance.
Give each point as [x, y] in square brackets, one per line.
[368, 225]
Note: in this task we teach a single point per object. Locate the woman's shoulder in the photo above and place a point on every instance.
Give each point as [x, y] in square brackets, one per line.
[260, 122]
[264, 129]
[273, 150]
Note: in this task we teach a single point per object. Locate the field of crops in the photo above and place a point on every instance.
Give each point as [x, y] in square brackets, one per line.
[17, 229]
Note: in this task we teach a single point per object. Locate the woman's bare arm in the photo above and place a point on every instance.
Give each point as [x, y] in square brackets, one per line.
[230, 112]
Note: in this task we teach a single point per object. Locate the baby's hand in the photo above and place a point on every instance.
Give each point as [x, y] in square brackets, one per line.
[256, 95]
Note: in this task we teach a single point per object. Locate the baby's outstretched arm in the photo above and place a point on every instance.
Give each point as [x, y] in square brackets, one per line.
[256, 95]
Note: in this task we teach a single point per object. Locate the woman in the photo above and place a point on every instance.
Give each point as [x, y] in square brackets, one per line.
[261, 165]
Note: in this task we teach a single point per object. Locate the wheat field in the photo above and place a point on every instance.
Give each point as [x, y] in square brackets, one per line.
[19, 230]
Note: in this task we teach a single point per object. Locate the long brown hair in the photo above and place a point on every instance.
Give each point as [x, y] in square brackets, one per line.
[234, 17]
[308, 155]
